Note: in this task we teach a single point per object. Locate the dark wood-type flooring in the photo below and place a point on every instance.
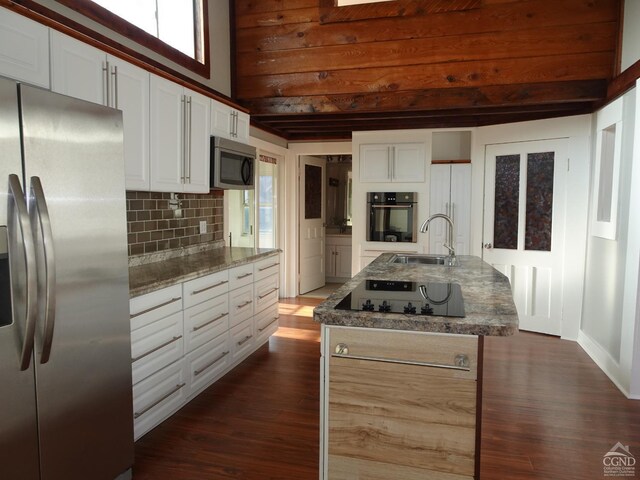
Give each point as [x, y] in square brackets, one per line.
[548, 413]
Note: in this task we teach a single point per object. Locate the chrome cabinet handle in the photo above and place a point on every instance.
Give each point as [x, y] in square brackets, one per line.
[268, 293]
[183, 100]
[160, 400]
[269, 324]
[245, 340]
[408, 205]
[268, 267]
[210, 364]
[244, 276]
[242, 305]
[39, 206]
[461, 361]
[488, 245]
[151, 309]
[393, 162]
[114, 74]
[195, 292]
[155, 349]
[18, 208]
[188, 139]
[222, 315]
[105, 71]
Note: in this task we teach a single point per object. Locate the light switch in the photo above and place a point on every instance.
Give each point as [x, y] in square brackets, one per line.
[203, 226]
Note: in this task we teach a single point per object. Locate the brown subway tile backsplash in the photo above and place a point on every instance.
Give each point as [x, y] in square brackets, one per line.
[153, 224]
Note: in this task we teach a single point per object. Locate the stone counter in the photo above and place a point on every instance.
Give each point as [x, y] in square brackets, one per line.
[488, 301]
[154, 276]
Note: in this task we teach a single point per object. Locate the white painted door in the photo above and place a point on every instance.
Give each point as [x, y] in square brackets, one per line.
[312, 223]
[460, 210]
[525, 197]
[439, 202]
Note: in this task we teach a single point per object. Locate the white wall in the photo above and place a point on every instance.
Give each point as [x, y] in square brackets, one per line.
[609, 320]
[219, 39]
[630, 34]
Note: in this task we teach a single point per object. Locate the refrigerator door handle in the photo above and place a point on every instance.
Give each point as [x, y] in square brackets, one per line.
[44, 222]
[20, 206]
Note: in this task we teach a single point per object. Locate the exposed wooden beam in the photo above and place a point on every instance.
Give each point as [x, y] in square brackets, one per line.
[433, 99]
[623, 82]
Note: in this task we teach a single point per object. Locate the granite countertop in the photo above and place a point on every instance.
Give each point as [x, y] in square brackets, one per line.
[154, 276]
[488, 301]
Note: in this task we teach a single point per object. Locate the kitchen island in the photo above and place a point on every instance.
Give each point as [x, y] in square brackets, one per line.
[401, 392]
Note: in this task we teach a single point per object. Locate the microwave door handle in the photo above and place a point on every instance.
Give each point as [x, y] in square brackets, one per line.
[245, 171]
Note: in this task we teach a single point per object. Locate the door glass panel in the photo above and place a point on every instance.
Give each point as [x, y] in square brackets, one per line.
[507, 188]
[267, 200]
[312, 191]
[540, 167]
[5, 281]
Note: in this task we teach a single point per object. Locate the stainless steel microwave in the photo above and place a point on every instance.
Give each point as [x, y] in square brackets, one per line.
[231, 164]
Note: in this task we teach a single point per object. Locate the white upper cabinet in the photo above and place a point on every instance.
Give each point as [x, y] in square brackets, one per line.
[228, 122]
[24, 49]
[398, 162]
[179, 138]
[84, 72]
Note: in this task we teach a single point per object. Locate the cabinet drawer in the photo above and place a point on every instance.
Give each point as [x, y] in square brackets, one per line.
[205, 321]
[436, 354]
[240, 276]
[265, 293]
[207, 363]
[155, 346]
[266, 323]
[148, 308]
[205, 288]
[240, 305]
[265, 267]
[157, 397]
[242, 340]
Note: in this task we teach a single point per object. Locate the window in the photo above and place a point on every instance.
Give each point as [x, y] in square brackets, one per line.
[607, 171]
[177, 29]
[267, 201]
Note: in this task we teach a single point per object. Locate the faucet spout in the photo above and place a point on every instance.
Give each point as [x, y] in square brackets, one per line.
[425, 226]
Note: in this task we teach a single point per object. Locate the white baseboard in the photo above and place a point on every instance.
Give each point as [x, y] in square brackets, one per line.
[604, 360]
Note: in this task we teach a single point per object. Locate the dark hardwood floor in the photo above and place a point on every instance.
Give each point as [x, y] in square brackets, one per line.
[548, 413]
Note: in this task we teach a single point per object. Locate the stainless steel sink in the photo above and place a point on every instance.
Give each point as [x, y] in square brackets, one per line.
[413, 258]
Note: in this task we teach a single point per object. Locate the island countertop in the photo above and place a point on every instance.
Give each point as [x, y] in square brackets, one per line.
[488, 301]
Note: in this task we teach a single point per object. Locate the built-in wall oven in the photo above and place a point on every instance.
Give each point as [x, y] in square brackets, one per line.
[392, 217]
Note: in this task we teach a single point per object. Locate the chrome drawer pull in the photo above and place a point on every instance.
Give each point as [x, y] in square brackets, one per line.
[244, 276]
[222, 315]
[268, 267]
[248, 302]
[268, 293]
[174, 339]
[245, 340]
[210, 364]
[195, 292]
[270, 323]
[461, 361]
[168, 302]
[146, 409]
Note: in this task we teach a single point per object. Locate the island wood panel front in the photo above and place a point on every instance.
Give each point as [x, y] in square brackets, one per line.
[391, 420]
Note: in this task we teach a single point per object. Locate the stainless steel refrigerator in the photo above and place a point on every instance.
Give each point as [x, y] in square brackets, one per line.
[65, 353]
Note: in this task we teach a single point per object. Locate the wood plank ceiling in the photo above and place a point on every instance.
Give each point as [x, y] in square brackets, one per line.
[307, 69]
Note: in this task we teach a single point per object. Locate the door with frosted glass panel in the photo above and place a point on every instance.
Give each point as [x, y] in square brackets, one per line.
[523, 235]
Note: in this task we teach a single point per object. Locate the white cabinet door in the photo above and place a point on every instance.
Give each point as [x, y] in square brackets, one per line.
[24, 49]
[409, 162]
[330, 260]
[166, 135]
[343, 261]
[197, 131]
[375, 163]
[220, 119]
[130, 93]
[242, 126]
[439, 202]
[461, 206]
[77, 69]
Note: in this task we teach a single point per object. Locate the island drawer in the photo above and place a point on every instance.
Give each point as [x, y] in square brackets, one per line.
[438, 354]
[241, 276]
[205, 321]
[268, 266]
[205, 288]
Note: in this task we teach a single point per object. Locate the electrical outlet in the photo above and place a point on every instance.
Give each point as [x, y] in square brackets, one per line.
[203, 226]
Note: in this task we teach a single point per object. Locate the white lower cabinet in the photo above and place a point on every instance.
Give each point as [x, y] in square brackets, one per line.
[187, 336]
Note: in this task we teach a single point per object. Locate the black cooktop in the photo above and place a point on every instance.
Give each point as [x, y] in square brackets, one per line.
[413, 298]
